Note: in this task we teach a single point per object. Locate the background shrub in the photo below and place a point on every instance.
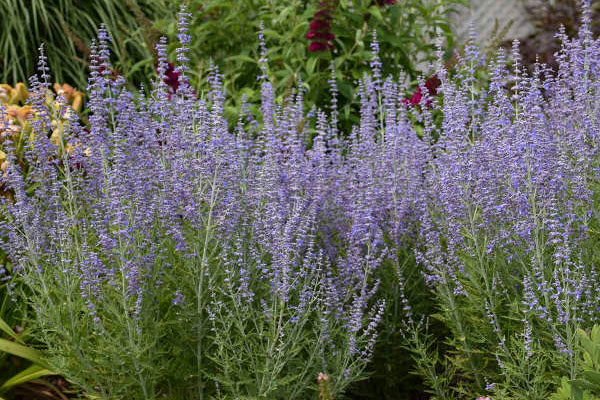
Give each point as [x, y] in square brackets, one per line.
[227, 36]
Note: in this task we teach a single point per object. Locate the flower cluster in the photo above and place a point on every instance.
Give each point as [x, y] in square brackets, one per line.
[511, 189]
[320, 27]
[431, 84]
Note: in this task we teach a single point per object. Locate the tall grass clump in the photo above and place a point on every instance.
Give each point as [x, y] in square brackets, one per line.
[168, 254]
[67, 27]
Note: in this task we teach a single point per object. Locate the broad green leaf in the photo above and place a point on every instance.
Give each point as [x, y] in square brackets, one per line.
[581, 384]
[241, 58]
[272, 33]
[19, 350]
[346, 89]
[376, 12]
[587, 344]
[358, 36]
[29, 374]
[595, 335]
[300, 27]
[310, 65]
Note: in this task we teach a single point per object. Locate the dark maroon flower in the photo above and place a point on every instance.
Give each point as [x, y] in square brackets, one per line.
[320, 27]
[317, 46]
[320, 35]
[431, 84]
[172, 77]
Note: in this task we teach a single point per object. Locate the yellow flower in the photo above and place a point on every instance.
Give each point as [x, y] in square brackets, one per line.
[73, 96]
[16, 95]
[19, 113]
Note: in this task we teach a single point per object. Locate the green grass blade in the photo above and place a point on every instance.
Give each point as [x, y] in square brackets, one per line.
[4, 327]
[27, 375]
[19, 350]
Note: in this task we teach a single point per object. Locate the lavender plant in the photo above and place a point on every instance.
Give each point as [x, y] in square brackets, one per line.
[169, 255]
[507, 237]
[166, 256]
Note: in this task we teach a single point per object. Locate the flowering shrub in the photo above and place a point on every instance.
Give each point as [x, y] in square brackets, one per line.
[508, 229]
[304, 38]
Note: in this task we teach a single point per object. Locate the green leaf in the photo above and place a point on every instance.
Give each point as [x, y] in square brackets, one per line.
[563, 392]
[310, 65]
[27, 375]
[595, 334]
[241, 58]
[376, 12]
[138, 65]
[346, 89]
[19, 350]
[272, 33]
[4, 327]
[358, 37]
[581, 384]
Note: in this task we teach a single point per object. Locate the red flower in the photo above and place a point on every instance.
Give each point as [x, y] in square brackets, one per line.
[431, 84]
[414, 99]
[320, 27]
[317, 46]
[172, 77]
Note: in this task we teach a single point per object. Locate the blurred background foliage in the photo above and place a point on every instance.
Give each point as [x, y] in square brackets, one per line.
[226, 33]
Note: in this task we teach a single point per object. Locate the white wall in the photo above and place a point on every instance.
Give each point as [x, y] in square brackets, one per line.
[484, 13]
